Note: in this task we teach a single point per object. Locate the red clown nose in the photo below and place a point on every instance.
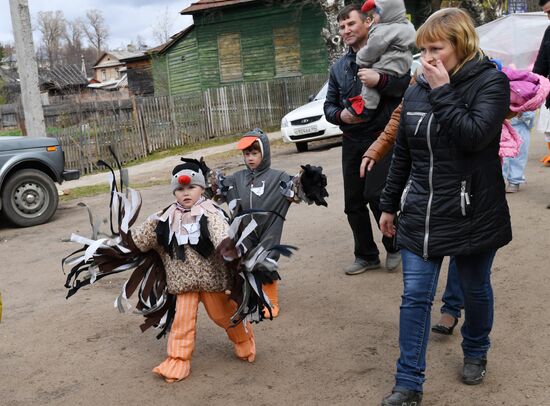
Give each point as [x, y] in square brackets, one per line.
[184, 180]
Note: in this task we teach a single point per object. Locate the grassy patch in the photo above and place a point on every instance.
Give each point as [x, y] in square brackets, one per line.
[185, 149]
[93, 190]
[10, 132]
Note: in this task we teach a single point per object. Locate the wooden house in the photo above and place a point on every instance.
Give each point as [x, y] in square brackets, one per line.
[139, 75]
[175, 66]
[62, 83]
[236, 41]
[109, 66]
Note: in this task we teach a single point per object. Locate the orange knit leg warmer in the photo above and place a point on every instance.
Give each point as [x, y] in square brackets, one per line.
[181, 340]
[220, 308]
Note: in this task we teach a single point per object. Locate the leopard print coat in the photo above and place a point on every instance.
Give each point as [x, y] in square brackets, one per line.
[196, 273]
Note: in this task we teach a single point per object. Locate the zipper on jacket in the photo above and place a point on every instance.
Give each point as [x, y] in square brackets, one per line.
[417, 113]
[464, 197]
[430, 198]
[404, 195]
[250, 193]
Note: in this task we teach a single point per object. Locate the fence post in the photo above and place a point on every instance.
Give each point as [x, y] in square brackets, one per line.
[140, 127]
[173, 118]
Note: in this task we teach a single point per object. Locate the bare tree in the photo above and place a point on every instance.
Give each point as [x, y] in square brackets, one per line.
[52, 26]
[484, 11]
[73, 41]
[422, 10]
[162, 29]
[330, 33]
[96, 30]
[141, 45]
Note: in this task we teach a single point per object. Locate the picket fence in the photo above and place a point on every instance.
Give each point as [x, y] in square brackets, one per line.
[158, 123]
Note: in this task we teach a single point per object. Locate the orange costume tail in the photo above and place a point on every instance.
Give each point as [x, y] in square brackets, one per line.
[272, 291]
[546, 160]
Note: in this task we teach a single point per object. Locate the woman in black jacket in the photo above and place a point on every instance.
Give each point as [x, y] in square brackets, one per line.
[446, 181]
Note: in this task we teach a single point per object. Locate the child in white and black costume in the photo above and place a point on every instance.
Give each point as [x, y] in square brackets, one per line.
[388, 49]
[185, 235]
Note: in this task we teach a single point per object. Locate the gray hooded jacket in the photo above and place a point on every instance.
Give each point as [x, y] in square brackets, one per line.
[388, 48]
[260, 189]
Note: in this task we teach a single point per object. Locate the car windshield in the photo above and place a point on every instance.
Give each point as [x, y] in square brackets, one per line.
[322, 93]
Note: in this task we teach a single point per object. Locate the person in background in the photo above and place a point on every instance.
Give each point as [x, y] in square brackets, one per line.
[513, 169]
[542, 67]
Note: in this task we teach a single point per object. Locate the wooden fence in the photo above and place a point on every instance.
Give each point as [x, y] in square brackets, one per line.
[157, 123]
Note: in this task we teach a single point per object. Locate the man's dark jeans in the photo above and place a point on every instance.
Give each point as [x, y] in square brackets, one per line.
[453, 299]
[358, 192]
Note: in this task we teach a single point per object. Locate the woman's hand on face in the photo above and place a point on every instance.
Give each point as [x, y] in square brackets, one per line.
[368, 77]
[366, 164]
[386, 224]
[435, 75]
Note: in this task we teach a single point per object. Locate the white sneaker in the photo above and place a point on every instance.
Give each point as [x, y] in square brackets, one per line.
[393, 259]
[512, 188]
[360, 266]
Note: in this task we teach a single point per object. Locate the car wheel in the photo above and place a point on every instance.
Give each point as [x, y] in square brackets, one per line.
[301, 146]
[29, 198]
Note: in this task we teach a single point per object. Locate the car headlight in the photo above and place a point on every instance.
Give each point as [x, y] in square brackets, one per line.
[284, 122]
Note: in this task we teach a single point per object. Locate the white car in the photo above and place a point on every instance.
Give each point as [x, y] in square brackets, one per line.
[308, 123]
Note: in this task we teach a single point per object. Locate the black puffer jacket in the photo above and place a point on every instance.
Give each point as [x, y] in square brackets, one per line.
[446, 176]
[542, 64]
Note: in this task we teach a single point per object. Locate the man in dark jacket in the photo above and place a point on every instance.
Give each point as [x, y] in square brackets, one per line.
[542, 64]
[359, 134]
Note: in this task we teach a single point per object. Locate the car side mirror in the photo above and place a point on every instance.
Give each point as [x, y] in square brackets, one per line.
[311, 97]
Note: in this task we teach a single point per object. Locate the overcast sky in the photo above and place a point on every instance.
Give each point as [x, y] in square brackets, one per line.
[126, 19]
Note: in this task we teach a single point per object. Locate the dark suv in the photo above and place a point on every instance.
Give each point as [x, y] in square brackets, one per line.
[29, 166]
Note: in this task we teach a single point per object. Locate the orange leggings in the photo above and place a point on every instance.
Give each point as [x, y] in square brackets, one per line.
[181, 340]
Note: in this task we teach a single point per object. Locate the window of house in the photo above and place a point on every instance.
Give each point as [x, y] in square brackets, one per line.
[287, 51]
[117, 73]
[229, 56]
[103, 74]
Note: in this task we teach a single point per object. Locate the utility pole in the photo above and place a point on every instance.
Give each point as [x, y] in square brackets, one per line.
[27, 68]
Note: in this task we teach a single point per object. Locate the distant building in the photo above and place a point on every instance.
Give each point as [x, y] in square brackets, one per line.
[62, 83]
[109, 66]
[139, 75]
[239, 41]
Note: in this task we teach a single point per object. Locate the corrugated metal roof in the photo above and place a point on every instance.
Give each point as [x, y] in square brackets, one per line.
[63, 76]
[125, 54]
[9, 75]
[118, 55]
[203, 5]
[112, 84]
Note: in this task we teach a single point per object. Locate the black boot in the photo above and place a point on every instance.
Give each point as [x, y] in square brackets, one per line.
[403, 397]
[474, 370]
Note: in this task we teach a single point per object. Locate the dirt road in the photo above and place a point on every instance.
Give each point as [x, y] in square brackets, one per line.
[335, 341]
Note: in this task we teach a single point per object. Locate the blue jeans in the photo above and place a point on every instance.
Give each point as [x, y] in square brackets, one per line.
[453, 299]
[513, 169]
[420, 283]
